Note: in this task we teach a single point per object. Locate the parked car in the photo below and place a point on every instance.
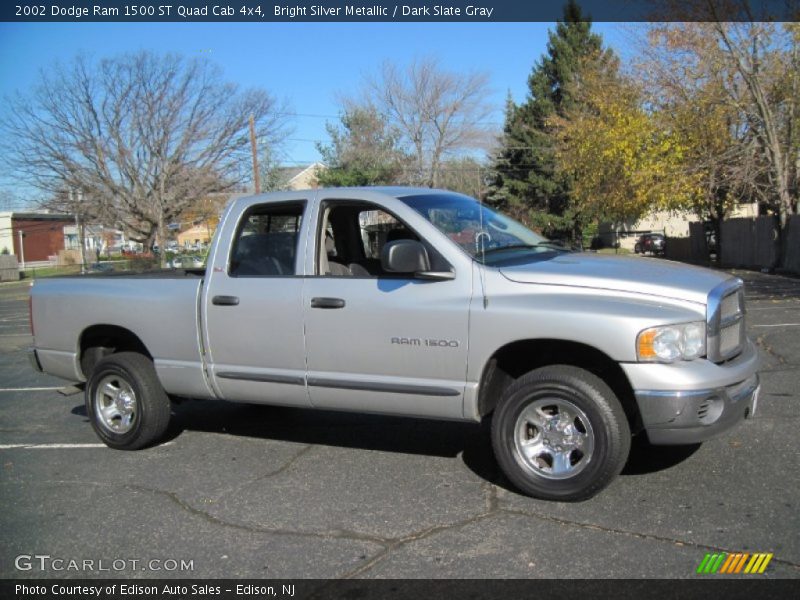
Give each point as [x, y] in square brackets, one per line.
[711, 239]
[124, 247]
[100, 267]
[187, 262]
[450, 311]
[654, 243]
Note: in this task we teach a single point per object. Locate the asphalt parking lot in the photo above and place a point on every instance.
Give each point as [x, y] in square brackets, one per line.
[249, 491]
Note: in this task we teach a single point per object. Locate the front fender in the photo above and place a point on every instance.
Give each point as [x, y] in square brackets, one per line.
[608, 321]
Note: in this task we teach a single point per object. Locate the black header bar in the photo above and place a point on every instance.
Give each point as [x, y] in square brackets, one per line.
[744, 588]
[405, 11]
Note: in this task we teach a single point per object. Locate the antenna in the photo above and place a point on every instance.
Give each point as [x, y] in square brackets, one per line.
[482, 250]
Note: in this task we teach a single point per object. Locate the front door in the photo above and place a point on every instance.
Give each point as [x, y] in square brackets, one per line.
[377, 342]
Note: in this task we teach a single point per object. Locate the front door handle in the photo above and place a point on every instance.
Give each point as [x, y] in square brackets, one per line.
[327, 303]
[225, 301]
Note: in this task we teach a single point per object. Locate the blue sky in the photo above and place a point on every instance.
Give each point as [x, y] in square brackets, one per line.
[307, 64]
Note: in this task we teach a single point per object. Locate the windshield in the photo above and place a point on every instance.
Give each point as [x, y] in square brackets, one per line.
[486, 235]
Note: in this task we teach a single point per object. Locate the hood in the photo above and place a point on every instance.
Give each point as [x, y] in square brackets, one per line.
[651, 276]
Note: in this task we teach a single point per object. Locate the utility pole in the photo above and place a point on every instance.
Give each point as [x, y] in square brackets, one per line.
[21, 248]
[75, 202]
[81, 241]
[254, 149]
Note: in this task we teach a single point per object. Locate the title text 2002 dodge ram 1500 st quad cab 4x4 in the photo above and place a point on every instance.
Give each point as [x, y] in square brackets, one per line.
[413, 302]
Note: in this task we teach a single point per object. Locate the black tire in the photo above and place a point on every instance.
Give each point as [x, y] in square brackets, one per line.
[596, 441]
[637, 249]
[149, 412]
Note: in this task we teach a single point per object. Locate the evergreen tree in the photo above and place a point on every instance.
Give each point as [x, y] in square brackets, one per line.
[506, 189]
[363, 151]
[526, 181]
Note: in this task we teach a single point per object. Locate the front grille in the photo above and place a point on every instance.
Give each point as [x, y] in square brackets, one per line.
[730, 307]
[730, 339]
[726, 328]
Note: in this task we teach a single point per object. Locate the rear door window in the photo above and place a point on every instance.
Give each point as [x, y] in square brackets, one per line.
[266, 241]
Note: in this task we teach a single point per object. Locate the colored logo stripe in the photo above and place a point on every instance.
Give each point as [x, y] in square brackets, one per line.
[725, 562]
[758, 563]
[703, 563]
[731, 560]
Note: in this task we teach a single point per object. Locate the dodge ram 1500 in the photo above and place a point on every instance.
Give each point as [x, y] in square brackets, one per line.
[413, 302]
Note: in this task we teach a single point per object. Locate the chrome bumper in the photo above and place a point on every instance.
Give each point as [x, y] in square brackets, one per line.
[688, 417]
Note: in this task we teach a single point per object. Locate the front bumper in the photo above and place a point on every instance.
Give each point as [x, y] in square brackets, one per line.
[690, 402]
[692, 417]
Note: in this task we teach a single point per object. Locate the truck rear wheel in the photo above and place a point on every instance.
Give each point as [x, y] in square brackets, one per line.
[560, 433]
[125, 402]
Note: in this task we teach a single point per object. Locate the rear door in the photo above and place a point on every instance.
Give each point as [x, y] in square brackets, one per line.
[253, 317]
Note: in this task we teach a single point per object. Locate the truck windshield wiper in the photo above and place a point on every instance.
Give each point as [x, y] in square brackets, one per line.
[552, 245]
[512, 247]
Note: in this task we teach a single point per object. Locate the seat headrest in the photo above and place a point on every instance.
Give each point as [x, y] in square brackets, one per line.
[252, 244]
[399, 234]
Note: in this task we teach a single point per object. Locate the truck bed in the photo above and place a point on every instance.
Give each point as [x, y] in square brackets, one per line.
[159, 307]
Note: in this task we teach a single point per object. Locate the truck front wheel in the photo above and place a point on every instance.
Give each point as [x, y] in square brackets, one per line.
[560, 433]
[125, 402]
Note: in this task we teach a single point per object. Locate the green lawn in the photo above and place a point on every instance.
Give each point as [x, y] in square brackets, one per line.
[37, 272]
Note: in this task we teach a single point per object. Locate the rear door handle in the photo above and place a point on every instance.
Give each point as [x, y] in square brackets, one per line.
[225, 300]
[327, 303]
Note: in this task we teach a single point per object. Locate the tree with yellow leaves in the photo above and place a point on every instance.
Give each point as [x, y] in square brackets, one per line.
[731, 90]
[621, 161]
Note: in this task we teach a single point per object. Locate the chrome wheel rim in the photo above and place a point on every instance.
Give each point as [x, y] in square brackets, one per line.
[115, 404]
[553, 438]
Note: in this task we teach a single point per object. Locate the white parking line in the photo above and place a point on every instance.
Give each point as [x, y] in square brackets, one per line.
[57, 446]
[32, 389]
[779, 325]
[49, 446]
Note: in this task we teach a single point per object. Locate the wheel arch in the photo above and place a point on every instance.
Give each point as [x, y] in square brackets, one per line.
[514, 359]
[98, 341]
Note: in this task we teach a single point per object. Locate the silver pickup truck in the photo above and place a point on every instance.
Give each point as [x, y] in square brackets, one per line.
[413, 302]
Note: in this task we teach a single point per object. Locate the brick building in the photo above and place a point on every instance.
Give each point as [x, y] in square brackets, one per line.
[42, 234]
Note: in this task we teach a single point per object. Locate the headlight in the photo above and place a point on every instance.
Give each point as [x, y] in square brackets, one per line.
[672, 342]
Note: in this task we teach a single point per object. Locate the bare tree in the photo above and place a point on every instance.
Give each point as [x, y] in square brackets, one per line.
[439, 114]
[10, 200]
[769, 100]
[464, 175]
[750, 69]
[686, 83]
[139, 136]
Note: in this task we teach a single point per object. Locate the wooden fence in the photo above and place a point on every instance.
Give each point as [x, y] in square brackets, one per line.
[746, 243]
[9, 269]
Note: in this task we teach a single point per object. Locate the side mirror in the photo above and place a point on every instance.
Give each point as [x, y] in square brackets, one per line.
[411, 257]
[405, 256]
